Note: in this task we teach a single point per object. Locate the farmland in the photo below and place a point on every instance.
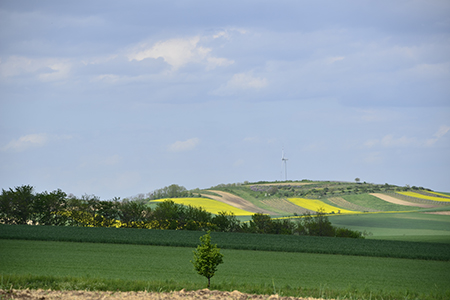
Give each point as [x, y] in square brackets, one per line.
[210, 205]
[106, 266]
[405, 253]
[421, 196]
[316, 205]
[229, 240]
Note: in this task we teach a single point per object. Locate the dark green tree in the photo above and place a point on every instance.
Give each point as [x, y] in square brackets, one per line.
[261, 223]
[16, 206]
[134, 214]
[167, 213]
[226, 222]
[207, 257]
[47, 208]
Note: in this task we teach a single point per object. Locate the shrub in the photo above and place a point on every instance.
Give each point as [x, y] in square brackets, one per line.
[207, 257]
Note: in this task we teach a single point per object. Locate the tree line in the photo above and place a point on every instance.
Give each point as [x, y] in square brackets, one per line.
[22, 206]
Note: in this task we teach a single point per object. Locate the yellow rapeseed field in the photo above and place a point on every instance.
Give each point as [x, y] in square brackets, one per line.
[212, 206]
[315, 205]
[420, 196]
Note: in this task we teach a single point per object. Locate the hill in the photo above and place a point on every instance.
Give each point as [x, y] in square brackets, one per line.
[382, 211]
[275, 198]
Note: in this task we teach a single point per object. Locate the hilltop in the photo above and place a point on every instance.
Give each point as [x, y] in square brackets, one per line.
[273, 197]
[382, 211]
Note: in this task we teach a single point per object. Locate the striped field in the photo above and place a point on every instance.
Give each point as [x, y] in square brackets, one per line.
[439, 194]
[315, 205]
[212, 206]
[421, 196]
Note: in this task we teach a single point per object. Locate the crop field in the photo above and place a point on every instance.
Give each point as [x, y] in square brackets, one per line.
[411, 226]
[315, 205]
[212, 206]
[440, 194]
[94, 266]
[230, 240]
[341, 202]
[284, 206]
[421, 196]
[405, 253]
[373, 202]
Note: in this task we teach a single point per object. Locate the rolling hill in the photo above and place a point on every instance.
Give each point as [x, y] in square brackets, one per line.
[382, 211]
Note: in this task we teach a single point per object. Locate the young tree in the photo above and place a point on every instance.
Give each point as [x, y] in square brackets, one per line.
[207, 257]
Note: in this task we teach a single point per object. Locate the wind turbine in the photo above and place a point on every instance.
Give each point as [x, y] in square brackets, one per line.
[284, 161]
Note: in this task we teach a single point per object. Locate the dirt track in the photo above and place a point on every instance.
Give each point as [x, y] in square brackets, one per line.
[401, 202]
[178, 295]
[236, 201]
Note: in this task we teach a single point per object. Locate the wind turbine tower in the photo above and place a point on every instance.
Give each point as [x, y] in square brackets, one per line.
[284, 162]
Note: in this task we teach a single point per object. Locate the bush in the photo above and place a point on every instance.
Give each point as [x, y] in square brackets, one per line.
[347, 233]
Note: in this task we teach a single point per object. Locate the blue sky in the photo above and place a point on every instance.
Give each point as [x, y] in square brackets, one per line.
[117, 98]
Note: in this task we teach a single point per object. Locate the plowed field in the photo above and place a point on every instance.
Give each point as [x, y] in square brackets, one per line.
[236, 201]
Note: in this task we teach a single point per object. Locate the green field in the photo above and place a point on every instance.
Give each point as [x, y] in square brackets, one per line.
[418, 227]
[94, 266]
[405, 253]
[229, 240]
[370, 201]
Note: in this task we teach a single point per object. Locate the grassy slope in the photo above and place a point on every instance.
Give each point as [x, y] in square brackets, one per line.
[407, 227]
[332, 275]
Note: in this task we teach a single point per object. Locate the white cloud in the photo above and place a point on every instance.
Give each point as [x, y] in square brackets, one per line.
[246, 81]
[241, 82]
[56, 71]
[181, 146]
[223, 33]
[26, 141]
[107, 78]
[32, 141]
[179, 52]
[45, 69]
[213, 62]
[335, 59]
[389, 141]
[227, 33]
[442, 131]
[439, 134]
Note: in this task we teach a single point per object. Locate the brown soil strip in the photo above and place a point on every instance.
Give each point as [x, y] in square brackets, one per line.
[178, 295]
[286, 206]
[236, 201]
[401, 202]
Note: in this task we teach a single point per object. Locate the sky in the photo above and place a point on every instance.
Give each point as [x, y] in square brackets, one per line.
[118, 98]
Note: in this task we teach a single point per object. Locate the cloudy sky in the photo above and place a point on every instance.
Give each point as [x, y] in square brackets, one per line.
[117, 98]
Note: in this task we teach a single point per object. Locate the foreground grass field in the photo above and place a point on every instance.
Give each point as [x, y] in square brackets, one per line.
[64, 265]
